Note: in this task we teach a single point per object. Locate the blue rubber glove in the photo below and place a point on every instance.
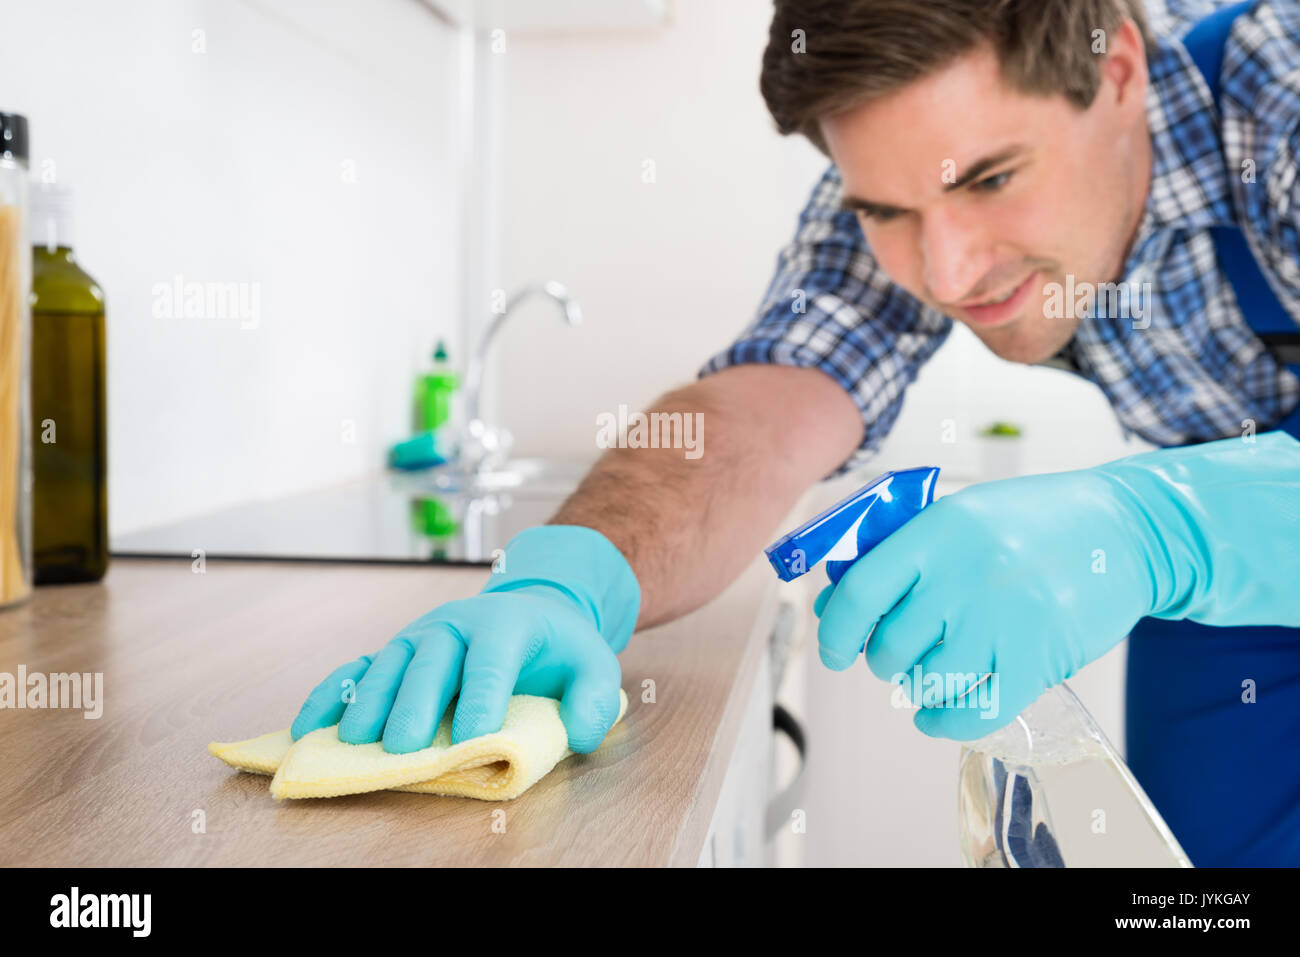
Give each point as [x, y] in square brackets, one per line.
[1029, 579]
[550, 622]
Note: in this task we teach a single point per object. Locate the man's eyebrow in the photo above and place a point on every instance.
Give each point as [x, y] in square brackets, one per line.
[973, 172]
[982, 166]
[867, 206]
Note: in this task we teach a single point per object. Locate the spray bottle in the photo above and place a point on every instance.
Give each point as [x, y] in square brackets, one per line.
[1046, 790]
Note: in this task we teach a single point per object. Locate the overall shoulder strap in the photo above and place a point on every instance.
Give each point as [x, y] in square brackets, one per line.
[1206, 43]
[1207, 40]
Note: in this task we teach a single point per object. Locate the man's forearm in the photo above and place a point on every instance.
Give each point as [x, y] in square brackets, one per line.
[689, 526]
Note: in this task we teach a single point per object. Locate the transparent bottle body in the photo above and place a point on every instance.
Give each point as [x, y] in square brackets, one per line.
[15, 386]
[1048, 790]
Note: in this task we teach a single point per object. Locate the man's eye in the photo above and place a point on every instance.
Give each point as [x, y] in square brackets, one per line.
[993, 183]
[879, 215]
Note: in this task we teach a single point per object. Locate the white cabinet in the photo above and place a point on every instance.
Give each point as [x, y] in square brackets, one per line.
[736, 837]
[758, 789]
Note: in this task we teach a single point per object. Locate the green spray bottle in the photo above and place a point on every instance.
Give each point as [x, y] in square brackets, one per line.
[434, 392]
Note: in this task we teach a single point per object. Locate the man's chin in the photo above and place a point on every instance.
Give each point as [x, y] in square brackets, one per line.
[1027, 340]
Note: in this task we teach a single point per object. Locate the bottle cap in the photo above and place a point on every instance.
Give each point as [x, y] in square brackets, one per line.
[13, 136]
[51, 217]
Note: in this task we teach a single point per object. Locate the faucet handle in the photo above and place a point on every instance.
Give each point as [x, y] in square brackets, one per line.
[486, 447]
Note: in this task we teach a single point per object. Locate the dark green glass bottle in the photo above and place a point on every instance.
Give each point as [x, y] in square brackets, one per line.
[69, 444]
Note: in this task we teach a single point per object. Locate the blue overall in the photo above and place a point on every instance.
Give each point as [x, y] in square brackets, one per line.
[1225, 774]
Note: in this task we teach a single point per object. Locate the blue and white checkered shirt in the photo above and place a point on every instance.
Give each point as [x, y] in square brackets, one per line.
[1197, 372]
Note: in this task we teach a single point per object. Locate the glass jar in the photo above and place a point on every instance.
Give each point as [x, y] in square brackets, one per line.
[15, 349]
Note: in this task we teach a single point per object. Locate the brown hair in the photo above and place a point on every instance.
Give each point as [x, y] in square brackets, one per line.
[824, 56]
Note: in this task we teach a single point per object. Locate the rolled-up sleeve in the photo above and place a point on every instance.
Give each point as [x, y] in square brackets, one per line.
[831, 307]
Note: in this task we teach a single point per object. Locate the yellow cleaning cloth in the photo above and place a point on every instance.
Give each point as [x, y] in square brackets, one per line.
[492, 767]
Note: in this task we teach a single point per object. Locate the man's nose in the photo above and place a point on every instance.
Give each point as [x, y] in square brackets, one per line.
[954, 254]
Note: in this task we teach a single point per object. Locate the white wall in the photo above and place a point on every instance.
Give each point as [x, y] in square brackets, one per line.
[671, 271]
[219, 156]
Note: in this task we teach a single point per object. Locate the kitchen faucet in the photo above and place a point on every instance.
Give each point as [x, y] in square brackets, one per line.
[487, 444]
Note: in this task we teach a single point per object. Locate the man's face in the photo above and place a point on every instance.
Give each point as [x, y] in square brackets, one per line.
[969, 191]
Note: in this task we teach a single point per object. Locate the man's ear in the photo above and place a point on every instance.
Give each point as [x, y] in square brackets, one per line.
[1124, 69]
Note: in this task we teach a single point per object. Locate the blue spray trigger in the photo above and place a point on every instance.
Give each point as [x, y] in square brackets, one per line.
[852, 527]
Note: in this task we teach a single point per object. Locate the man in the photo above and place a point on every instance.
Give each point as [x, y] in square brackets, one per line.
[990, 159]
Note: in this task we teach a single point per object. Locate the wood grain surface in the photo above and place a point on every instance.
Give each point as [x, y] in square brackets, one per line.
[189, 658]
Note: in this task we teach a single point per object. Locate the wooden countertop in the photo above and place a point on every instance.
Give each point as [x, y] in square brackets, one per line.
[190, 658]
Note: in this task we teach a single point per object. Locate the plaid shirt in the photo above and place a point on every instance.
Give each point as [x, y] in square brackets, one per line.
[1197, 371]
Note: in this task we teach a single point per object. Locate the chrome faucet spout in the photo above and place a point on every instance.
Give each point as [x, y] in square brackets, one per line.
[570, 311]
